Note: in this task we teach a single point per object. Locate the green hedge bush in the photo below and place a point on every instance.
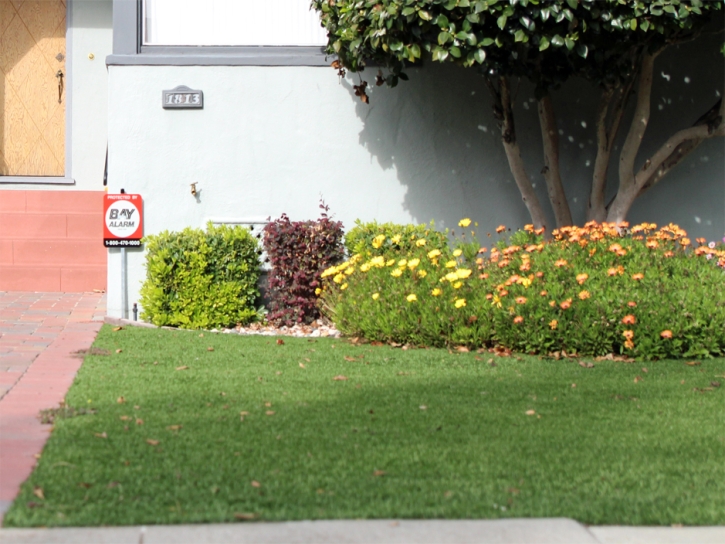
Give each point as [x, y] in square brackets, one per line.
[589, 291]
[201, 280]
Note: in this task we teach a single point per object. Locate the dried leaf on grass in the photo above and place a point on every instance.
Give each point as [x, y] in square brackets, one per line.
[280, 342]
[38, 492]
[245, 516]
[183, 367]
[530, 412]
[210, 348]
[617, 358]
[693, 363]
[255, 483]
[377, 473]
[340, 378]
[174, 427]
[100, 435]
[586, 365]
[152, 442]
[116, 329]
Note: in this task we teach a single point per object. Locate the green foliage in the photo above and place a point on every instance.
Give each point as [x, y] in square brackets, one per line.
[396, 239]
[201, 280]
[589, 291]
[544, 41]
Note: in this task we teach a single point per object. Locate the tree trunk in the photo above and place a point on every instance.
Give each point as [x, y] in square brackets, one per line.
[504, 112]
[551, 171]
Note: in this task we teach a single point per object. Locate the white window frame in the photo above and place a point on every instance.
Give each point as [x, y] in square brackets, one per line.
[128, 48]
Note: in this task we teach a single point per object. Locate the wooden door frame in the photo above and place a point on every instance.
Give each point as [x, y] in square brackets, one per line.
[67, 178]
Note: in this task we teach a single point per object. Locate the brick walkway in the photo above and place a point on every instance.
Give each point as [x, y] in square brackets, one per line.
[39, 332]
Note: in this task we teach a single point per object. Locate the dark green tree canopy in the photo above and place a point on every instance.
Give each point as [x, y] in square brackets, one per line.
[545, 41]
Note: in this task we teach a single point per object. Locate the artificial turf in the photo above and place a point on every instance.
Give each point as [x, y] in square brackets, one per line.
[160, 433]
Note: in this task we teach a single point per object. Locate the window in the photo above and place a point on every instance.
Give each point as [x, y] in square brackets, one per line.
[231, 23]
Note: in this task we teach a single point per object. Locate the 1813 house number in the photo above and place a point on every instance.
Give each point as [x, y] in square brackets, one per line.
[182, 97]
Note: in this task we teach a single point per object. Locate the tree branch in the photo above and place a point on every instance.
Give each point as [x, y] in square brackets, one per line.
[597, 211]
[678, 146]
[503, 112]
[551, 170]
[639, 122]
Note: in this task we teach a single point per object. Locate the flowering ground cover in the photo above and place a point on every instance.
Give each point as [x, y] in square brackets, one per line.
[592, 290]
[169, 426]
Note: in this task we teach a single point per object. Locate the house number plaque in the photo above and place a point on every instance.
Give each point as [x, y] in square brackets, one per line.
[182, 97]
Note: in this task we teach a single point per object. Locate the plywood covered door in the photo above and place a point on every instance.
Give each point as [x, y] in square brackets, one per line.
[32, 87]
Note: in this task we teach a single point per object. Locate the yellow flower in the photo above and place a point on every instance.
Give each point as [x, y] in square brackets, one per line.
[458, 285]
[464, 222]
[460, 302]
[451, 264]
[378, 241]
[422, 273]
[338, 278]
[436, 292]
[496, 301]
[413, 263]
[318, 291]
[329, 272]
[402, 263]
[420, 242]
[396, 273]
[364, 267]
[411, 298]
[463, 273]
[457, 253]
[377, 261]
[553, 324]
[433, 253]
[525, 282]
[376, 296]
[396, 239]
[391, 262]
[343, 287]
[451, 276]
[350, 271]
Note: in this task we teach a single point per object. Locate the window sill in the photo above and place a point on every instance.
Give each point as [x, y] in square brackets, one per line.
[227, 56]
[35, 180]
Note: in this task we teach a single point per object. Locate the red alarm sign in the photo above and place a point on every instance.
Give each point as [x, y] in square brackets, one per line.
[122, 220]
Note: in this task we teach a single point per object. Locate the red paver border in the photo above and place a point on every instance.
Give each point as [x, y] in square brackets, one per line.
[42, 386]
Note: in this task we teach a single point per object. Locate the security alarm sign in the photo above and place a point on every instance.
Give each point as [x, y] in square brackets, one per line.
[122, 220]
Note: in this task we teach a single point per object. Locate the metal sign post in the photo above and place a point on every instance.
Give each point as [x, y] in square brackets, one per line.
[123, 228]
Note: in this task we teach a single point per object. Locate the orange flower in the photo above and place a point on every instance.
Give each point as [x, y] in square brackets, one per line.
[529, 228]
[629, 344]
[500, 229]
[552, 303]
[544, 293]
[612, 272]
[581, 278]
[540, 231]
[525, 266]
[489, 296]
[666, 334]
[483, 276]
[539, 274]
[700, 241]
[637, 277]
[629, 319]
[560, 263]
[553, 324]
[584, 295]
[518, 319]
[615, 248]
[503, 292]
[520, 300]
[652, 244]
[668, 254]
[684, 242]
[632, 304]
[566, 304]
[628, 334]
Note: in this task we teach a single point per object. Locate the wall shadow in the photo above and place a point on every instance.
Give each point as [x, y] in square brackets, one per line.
[438, 133]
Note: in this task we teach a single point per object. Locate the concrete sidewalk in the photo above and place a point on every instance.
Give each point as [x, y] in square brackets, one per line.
[511, 531]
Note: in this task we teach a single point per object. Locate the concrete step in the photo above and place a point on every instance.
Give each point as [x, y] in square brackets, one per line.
[76, 202]
[19, 225]
[53, 252]
[66, 278]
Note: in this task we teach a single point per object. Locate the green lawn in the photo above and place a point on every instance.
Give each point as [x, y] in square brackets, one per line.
[409, 434]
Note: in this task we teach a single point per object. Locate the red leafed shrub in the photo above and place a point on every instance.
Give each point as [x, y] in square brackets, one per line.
[299, 251]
